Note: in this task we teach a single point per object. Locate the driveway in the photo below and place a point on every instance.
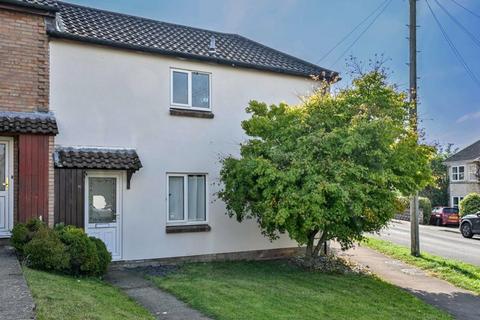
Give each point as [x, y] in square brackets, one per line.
[442, 241]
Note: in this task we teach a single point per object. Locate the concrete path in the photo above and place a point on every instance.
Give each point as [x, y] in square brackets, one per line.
[161, 304]
[460, 303]
[16, 302]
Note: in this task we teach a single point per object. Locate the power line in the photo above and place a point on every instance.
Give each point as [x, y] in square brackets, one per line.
[351, 32]
[461, 26]
[466, 9]
[363, 32]
[452, 46]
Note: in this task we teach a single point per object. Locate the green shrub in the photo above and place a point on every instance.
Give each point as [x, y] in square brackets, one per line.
[104, 257]
[46, 252]
[20, 237]
[426, 206]
[34, 225]
[65, 248]
[402, 203]
[470, 204]
[23, 233]
[81, 249]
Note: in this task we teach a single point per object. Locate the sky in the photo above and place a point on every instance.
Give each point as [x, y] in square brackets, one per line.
[449, 105]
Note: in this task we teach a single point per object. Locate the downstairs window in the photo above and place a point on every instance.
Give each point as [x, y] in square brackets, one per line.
[187, 198]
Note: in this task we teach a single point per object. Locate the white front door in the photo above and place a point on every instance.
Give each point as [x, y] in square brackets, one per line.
[104, 208]
[6, 186]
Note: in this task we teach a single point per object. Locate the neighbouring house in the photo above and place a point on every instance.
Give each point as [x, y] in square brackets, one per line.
[116, 124]
[463, 170]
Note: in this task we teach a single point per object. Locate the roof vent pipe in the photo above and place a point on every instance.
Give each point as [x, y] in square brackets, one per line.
[212, 48]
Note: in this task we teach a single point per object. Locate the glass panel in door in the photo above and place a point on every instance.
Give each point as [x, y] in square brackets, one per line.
[102, 200]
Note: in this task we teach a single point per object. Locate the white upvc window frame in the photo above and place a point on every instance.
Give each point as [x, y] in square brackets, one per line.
[472, 172]
[459, 200]
[456, 172]
[189, 106]
[185, 220]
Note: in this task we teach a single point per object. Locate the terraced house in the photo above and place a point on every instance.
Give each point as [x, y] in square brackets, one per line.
[116, 124]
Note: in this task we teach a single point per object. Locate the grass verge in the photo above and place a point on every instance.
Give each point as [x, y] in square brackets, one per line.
[279, 290]
[460, 274]
[65, 297]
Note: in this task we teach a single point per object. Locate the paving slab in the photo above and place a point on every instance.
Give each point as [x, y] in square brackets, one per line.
[161, 304]
[16, 302]
[460, 303]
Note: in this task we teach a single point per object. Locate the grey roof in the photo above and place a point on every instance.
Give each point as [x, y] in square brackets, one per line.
[120, 30]
[96, 158]
[49, 5]
[28, 122]
[469, 153]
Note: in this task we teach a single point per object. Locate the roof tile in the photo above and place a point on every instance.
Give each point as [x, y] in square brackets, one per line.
[97, 158]
[110, 28]
[469, 153]
[50, 5]
[28, 122]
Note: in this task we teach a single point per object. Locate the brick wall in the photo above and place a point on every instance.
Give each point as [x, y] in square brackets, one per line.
[24, 77]
[24, 65]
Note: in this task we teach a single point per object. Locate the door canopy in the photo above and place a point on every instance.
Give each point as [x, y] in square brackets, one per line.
[98, 158]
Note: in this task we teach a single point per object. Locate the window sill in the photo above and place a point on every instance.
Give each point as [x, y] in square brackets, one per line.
[188, 228]
[191, 113]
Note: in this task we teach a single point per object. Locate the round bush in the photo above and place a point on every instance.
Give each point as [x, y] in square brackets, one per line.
[470, 204]
[46, 252]
[23, 233]
[65, 248]
[20, 237]
[81, 249]
[104, 257]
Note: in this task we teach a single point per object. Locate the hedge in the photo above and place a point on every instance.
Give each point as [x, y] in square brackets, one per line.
[65, 249]
[470, 204]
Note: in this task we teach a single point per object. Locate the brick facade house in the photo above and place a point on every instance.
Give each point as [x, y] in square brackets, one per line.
[26, 126]
[115, 124]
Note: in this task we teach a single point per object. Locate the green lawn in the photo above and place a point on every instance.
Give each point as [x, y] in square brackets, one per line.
[64, 297]
[458, 273]
[278, 290]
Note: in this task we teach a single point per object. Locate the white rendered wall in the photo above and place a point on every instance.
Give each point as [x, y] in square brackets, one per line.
[117, 98]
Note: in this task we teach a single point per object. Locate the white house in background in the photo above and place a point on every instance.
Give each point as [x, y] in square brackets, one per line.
[463, 170]
[145, 110]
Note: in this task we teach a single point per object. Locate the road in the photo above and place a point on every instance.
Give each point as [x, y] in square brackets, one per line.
[442, 241]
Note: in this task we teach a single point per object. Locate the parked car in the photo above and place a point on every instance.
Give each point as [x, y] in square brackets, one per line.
[470, 225]
[442, 216]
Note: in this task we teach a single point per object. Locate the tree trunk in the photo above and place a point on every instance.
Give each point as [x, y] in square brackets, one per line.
[309, 252]
[312, 250]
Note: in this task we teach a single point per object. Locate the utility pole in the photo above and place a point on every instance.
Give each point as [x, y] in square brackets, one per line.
[414, 205]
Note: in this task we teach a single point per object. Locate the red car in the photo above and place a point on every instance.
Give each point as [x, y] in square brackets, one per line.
[442, 216]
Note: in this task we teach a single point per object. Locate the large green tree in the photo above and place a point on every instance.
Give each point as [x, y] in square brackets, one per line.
[329, 168]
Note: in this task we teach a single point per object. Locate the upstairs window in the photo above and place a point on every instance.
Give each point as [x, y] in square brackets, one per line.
[458, 173]
[190, 89]
[473, 172]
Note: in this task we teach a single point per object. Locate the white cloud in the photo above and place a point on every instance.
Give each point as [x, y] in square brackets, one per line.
[468, 116]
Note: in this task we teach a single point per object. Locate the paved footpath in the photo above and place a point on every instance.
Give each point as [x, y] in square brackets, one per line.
[460, 303]
[161, 304]
[16, 302]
